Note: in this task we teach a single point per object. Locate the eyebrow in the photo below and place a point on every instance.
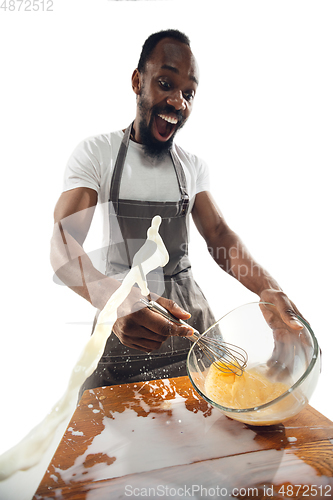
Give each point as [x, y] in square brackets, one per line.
[175, 70]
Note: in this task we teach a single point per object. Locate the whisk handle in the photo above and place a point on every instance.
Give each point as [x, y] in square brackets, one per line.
[156, 307]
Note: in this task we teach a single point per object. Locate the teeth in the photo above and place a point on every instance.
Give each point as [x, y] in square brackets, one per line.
[169, 119]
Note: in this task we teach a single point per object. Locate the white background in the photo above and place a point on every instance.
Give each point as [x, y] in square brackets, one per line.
[262, 120]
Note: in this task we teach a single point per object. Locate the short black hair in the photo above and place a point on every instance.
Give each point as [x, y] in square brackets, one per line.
[153, 40]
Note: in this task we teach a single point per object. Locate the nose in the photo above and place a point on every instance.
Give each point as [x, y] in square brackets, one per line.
[177, 100]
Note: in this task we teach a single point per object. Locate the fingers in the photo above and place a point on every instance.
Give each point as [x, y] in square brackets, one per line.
[282, 360]
[160, 325]
[133, 335]
[174, 308]
[146, 330]
[285, 307]
[142, 340]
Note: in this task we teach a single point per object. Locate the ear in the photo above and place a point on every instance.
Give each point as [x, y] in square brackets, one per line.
[136, 82]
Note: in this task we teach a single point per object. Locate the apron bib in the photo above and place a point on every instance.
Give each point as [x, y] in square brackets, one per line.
[128, 224]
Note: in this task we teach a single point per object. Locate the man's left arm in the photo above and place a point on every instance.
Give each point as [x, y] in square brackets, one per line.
[231, 255]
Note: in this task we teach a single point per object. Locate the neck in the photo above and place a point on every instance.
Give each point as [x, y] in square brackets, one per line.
[135, 136]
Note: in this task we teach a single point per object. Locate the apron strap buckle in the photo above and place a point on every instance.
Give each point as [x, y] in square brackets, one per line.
[184, 204]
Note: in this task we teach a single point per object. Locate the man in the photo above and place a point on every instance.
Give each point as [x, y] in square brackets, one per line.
[138, 173]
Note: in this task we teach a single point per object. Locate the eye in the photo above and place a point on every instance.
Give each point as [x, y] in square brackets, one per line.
[164, 84]
[189, 96]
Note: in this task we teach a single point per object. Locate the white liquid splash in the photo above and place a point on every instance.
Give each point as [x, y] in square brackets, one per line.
[30, 450]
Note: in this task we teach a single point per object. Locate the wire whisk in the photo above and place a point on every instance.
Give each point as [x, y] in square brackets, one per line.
[226, 357]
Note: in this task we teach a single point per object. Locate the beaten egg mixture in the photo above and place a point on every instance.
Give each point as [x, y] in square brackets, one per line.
[249, 390]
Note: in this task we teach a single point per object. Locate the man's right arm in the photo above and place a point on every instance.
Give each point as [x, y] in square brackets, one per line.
[141, 329]
[72, 218]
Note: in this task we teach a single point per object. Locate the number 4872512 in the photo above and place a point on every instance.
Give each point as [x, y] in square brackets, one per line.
[26, 5]
[301, 490]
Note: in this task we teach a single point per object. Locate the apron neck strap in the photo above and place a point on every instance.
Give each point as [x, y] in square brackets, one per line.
[119, 167]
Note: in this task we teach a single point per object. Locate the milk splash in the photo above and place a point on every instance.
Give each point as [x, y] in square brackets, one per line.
[30, 450]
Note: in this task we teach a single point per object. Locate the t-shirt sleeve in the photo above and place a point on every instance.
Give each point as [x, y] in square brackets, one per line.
[83, 168]
[202, 181]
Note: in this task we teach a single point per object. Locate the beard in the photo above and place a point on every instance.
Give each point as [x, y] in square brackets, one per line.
[152, 147]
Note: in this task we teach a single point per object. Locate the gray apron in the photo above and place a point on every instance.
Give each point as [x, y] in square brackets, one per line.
[128, 222]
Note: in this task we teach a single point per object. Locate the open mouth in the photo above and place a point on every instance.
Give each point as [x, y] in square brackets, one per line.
[164, 126]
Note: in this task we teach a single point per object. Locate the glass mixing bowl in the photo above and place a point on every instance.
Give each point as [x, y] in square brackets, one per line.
[276, 351]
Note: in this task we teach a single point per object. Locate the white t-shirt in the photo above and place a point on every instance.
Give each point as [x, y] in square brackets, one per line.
[91, 165]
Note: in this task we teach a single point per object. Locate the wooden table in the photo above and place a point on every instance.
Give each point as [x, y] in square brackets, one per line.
[159, 439]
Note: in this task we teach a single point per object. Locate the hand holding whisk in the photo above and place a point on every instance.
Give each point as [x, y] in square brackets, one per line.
[228, 358]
